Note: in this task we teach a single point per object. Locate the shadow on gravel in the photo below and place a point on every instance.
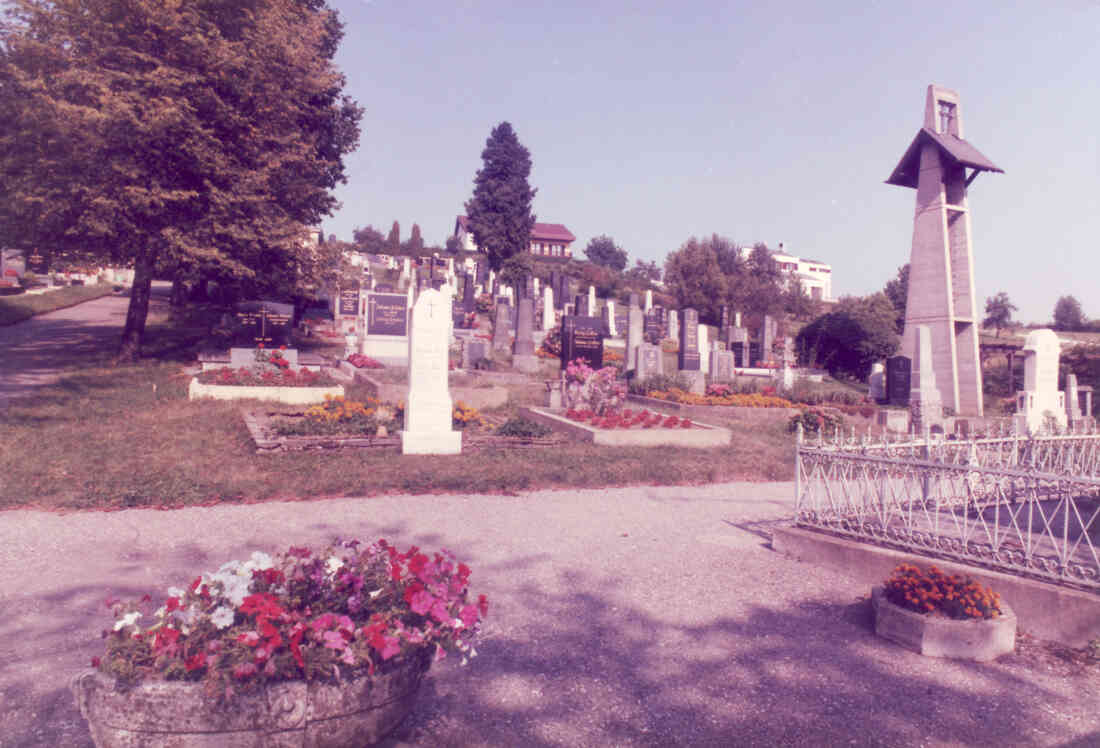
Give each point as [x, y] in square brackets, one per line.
[564, 662]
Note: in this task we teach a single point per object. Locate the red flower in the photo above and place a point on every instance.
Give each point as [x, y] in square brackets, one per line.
[95, 662]
[172, 603]
[196, 662]
[483, 605]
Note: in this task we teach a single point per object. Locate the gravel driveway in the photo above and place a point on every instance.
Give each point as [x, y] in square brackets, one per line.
[639, 616]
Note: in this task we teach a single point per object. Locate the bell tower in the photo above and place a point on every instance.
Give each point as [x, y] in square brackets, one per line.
[940, 165]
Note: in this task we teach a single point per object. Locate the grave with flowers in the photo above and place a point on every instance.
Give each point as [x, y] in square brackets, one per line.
[262, 364]
[593, 409]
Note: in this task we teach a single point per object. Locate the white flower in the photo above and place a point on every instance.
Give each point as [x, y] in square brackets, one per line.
[175, 592]
[127, 620]
[222, 617]
[333, 565]
[375, 594]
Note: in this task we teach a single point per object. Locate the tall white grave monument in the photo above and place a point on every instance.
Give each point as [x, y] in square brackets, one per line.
[428, 427]
[1040, 404]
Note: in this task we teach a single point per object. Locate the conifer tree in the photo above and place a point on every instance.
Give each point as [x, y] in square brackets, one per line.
[499, 213]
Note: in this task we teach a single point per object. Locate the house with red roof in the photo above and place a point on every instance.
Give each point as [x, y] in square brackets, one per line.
[547, 239]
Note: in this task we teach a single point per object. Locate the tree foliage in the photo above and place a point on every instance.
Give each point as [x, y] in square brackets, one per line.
[393, 239]
[897, 291]
[200, 135]
[1068, 314]
[998, 312]
[694, 277]
[499, 213]
[415, 244]
[848, 340]
[643, 273]
[602, 250]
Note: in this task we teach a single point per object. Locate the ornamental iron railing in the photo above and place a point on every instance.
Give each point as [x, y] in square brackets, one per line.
[1027, 506]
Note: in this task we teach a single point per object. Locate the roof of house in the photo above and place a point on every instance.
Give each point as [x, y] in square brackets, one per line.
[956, 149]
[543, 231]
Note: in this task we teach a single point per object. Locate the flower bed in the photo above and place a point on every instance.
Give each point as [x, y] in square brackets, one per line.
[700, 435]
[359, 361]
[627, 419]
[266, 377]
[756, 400]
[293, 395]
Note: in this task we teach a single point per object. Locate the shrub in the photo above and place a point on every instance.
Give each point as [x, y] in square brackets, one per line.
[933, 592]
[659, 382]
[522, 427]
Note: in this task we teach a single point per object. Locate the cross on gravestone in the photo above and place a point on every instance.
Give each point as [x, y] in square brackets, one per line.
[263, 322]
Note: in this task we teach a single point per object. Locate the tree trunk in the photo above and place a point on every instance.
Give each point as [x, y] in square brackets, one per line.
[132, 334]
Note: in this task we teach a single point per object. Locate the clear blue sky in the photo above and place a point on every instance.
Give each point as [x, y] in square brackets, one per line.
[774, 122]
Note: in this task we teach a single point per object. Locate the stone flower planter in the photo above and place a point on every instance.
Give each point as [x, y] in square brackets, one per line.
[934, 636]
[175, 714]
[287, 395]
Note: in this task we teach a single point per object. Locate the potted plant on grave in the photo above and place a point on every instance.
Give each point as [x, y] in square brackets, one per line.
[316, 649]
[942, 615]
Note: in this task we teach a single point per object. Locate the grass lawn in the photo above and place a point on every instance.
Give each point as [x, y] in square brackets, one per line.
[24, 306]
[121, 436]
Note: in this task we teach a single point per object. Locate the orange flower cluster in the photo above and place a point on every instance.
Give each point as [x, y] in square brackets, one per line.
[754, 400]
[934, 592]
[337, 409]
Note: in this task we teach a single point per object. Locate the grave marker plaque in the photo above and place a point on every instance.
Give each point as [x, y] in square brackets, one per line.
[266, 322]
[649, 361]
[581, 337]
[387, 314]
[688, 357]
[898, 374]
[349, 299]
[651, 331]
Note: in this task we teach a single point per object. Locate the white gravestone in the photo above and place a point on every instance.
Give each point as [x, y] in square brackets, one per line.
[547, 309]
[611, 319]
[1040, 399]
[428, 412]
[876, 385]
[673, 324]
[648, 300]
[925, 403]
[704, 349]
[591, 301]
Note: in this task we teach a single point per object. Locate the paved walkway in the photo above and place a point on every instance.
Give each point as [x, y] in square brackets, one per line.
[646, 616]
[35, 350]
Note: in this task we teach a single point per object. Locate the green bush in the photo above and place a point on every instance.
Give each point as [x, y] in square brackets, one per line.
[816, 421]
[659, 382]
[523, 427]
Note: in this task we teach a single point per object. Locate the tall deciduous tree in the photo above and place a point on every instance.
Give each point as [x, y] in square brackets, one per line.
[602, 250]
[897, 290]
[499, 213]
[694, 277]
[168, 134]
[998, 312]
[1068, 314]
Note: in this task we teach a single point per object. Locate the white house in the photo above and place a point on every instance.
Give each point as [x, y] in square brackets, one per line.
[816, 277]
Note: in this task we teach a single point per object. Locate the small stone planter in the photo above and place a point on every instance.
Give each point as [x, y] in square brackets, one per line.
[176, 714]
[934, 636]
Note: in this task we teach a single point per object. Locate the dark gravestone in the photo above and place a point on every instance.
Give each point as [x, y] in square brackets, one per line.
[739, 355]
[387, 314]
[651, 331]
[38, 262]
[754, 353]
[688, 357]
[555, 288]
[898, 373]
[662, 320]
[481, 272]
[468, 302]
[349, 299]
[620, 322]
[580, 305]
[582, 338]
[266, 322]
[458, 315]
[385, 288]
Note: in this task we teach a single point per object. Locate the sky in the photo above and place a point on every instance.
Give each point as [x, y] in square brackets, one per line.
[652, 122]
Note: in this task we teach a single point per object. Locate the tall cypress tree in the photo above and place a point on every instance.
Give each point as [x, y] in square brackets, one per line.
[499, 213]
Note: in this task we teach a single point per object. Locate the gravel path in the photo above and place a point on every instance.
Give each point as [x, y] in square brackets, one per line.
[641, 616]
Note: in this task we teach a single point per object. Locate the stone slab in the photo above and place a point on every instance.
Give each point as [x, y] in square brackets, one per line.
[289, 395]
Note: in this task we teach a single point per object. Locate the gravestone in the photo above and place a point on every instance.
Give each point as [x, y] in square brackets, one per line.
[688, 356]
[548, 317]
[555, 287]
[38, 262]
[609, 318]
[724, 325]
[266, 322]
[581, 338]
[662, 321]
[721, 366]
[898, 369]
[606, 321]
[925, 405]
[634, 330]
[648, 299]
[673, 324]
[649, 362]
[469, 303]
[386, 336]
[384, 288]
[738, 344]
[634, 300]
[652, 329]
[621, 322]
[876, 384]
[523, 351]
[501, 327]
[755, 356]
[428, 410]
[1073, 405]
[1040, 404]
[473, 350]
[703, 343]
[768, 329]
[580, 306]
[591, 301]
[349, 299]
